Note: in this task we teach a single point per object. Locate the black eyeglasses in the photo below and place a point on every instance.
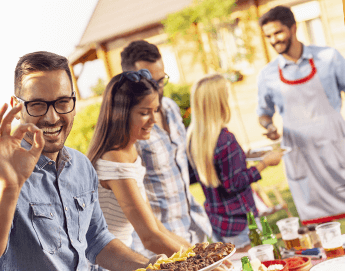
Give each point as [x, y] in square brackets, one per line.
[135, 77]
[63, 105]
[163, 81]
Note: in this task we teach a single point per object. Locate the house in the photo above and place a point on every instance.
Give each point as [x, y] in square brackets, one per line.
[237, 46]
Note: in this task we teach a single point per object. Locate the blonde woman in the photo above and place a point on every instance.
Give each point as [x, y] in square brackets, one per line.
[219, 162]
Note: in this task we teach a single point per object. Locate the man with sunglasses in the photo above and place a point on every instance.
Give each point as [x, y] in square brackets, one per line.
[164, 155]
[49, 209]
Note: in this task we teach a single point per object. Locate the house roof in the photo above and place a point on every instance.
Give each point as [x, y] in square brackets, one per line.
[113, 18]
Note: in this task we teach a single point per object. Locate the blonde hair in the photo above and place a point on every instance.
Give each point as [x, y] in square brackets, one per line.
[210, 112]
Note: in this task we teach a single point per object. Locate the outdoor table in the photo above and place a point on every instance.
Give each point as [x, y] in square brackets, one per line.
[236, 259]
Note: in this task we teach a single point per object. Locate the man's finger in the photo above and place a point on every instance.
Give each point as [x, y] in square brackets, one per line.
[21, 130]
[38, 144]
[5, 128]
[2, 111]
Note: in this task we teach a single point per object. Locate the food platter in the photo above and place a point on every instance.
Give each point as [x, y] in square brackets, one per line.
[258, 154]
[332, 264]
[218, 263]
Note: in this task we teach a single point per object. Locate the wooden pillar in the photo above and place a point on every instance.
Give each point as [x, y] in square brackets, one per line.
[102, 54]
[256, 4]
[74, 81]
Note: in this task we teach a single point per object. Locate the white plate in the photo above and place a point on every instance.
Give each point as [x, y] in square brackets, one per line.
[218, 263]
[267, 148]
[335, 264]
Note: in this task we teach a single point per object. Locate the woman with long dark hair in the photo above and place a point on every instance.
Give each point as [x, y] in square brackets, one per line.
[127, 114]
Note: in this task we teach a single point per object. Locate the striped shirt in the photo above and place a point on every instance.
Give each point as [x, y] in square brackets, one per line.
[167, 181]
[118, 223]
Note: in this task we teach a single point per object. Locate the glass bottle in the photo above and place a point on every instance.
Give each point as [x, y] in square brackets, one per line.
[304, 238]
[315, 239]
[268, 237]
[246, 265]
[254, 232]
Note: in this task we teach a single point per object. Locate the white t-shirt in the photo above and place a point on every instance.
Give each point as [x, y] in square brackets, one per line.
[117, 222]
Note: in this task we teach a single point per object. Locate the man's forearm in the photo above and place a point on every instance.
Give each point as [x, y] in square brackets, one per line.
[265, 121]
[8, 202]
[116, 256]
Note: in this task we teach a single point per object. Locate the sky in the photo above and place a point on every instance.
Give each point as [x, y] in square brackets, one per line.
[43, 25]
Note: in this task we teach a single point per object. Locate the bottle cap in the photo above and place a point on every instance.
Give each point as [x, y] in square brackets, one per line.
[303, 230]
[312, 227]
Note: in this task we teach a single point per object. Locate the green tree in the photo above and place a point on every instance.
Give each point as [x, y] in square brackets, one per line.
[186, 24]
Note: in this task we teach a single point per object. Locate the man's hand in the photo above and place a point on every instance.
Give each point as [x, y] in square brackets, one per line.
[272, 132]
[17, 163]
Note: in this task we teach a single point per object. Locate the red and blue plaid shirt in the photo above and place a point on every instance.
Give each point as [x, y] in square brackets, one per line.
[228, 204]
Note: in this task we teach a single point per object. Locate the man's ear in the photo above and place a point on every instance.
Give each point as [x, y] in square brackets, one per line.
[14, 101]
[294, 29]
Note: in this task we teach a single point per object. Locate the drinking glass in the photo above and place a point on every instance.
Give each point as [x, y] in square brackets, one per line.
[331, 239]
[288, 228]
[262, 252]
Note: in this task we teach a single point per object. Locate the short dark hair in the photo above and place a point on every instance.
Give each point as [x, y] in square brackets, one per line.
[139, 50]
[278, 13]
[112, 128]
[38, 61]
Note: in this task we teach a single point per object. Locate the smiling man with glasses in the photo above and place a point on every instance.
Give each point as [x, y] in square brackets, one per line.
[50, 216]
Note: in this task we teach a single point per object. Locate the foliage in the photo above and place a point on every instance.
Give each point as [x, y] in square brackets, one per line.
[202, 11]
[98, 88]
[83, 128]
[181, 95]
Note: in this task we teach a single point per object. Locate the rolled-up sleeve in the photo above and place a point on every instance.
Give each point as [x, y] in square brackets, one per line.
[265, 101]
[98, 235]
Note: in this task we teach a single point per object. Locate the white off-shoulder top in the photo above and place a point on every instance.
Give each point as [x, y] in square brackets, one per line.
[117, 222]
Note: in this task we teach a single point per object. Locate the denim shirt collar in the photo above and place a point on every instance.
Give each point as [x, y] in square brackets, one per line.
[64, 156]
[306, 55]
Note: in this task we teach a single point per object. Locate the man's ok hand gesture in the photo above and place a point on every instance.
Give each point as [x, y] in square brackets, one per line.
[16, 163]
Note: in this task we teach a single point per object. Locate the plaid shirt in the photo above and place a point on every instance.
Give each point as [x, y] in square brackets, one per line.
[228, 204]
[167, 181]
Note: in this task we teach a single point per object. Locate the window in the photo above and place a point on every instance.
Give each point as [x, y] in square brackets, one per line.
[309, 25]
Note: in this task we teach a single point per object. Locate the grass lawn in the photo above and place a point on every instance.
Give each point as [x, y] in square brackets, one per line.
[270, 176]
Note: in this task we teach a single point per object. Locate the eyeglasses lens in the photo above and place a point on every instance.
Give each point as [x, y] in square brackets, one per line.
[62, 106]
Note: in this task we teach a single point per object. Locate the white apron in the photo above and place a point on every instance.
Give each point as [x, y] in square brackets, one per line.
[315, 167]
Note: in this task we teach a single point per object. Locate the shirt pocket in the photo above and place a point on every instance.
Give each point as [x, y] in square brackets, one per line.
[46, 227]
[85, 204]
[157, 157]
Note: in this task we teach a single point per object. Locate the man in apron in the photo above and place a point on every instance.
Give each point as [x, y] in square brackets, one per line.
[304, 84]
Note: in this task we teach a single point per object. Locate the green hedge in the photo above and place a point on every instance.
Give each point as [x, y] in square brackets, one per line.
[83, 127]
[181, 95]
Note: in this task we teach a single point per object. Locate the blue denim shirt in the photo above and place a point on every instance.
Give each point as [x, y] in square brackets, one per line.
[330, 65]
[58, 221]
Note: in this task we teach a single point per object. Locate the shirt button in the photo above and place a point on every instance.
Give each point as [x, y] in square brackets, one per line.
[71, 241]
[83, 205]
[51, 214]
[50, 163]
[66, 208]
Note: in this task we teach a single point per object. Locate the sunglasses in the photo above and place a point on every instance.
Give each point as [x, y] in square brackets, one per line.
[136, 77]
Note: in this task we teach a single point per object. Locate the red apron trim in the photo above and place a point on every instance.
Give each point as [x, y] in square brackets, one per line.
[322, 219]
[299, 81]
